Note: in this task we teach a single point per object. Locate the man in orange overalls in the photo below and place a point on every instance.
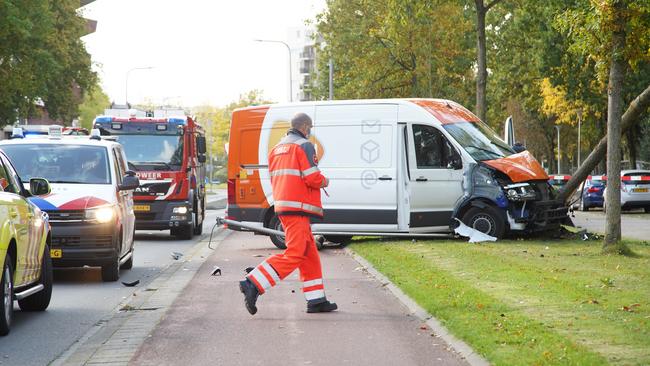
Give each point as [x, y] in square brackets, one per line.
[296, 182]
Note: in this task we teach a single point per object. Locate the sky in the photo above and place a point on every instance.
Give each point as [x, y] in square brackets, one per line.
[199, 51]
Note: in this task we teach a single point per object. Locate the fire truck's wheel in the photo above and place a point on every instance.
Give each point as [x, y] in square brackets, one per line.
[184, 232]
[41, 300]
[6, 296]
[277, 240]
[198, 228]
[486, 220]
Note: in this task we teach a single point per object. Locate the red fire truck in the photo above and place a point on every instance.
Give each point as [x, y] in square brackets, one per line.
[168, 156]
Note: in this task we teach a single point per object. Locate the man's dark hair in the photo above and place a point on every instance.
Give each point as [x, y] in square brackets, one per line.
[299, 120]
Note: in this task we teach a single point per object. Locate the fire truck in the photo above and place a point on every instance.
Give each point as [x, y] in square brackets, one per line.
[168, 155]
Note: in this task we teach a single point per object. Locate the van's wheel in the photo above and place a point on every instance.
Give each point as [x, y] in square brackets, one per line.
[277, 240]
[41, 300]
[582, 206]
[646, 209]
[486, 220]
[111, 269]
[6, 296]
[129, 263]
[320, 242]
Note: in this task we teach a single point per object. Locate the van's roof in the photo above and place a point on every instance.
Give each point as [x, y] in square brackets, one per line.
[444, 110]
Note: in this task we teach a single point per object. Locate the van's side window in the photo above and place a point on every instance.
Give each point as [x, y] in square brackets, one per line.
[432, 150]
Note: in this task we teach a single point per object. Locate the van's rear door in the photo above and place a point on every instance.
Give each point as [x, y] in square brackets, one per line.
[359, 143]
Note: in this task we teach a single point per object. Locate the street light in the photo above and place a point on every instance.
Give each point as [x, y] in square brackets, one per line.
[290, 65]
[126, 91]
[579, 112]
[558, 148]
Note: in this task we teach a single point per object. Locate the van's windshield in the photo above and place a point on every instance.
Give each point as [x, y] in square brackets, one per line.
[479, 140]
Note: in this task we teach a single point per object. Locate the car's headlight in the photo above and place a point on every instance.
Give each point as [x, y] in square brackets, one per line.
[181, 210]
[483, 177]
[101, 214]
[520, 192]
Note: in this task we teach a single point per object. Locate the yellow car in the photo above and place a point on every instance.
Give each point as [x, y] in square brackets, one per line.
[26, 272]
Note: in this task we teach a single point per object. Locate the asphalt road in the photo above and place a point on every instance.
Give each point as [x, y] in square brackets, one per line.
[80, 299]
[634, 224]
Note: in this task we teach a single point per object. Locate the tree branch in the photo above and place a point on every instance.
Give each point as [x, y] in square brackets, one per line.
[392, 55]
[490, 5]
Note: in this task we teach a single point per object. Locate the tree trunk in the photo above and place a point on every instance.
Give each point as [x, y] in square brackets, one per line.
[481, 72]
[614, 109]
[631, 116]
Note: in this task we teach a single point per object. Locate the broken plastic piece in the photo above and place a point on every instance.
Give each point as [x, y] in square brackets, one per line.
[130, 284]
[216, 271]
[474, 235]
[176, 255]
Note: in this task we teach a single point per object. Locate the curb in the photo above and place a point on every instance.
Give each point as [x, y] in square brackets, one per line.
[115, 339]
[460, 347]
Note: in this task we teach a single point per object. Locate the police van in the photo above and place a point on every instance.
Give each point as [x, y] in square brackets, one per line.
[396, 167]
[91, 203]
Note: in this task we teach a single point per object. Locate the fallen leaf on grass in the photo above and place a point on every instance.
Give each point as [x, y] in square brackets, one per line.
[630, 308]
[480, 306]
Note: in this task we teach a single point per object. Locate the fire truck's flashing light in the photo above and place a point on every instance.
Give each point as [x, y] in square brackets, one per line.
[177, 120]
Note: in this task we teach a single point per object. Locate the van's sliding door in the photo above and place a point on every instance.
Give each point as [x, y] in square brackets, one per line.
[359, 157]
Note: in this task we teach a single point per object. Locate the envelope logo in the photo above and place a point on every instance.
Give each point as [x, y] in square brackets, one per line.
[370, 126]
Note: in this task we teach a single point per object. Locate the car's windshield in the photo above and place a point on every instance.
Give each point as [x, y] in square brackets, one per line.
[479, 140]
[153, 152]
[60, 163]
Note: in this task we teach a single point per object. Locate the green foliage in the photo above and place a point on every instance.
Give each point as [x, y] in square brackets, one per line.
[42, 58]
[396, 48]
[528, 302]
[93, 104]
[216, 121]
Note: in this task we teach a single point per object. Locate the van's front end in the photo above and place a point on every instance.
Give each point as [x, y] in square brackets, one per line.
[514, 185]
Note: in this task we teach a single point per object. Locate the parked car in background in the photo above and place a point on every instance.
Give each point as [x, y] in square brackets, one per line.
[91, 204]
[635, 189]
[590, 193]
[558, 181]
[26, 267]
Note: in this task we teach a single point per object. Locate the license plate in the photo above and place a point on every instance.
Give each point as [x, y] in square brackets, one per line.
[640, 190]
[56, 253]
[141, 208]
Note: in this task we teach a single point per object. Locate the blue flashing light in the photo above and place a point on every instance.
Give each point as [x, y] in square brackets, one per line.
[103, 119]
[181, 121]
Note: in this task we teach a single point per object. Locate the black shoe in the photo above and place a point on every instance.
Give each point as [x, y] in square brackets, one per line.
[323, 307]
[250, 295]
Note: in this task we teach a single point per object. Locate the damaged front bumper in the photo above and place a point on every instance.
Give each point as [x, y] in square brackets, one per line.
[533, 216]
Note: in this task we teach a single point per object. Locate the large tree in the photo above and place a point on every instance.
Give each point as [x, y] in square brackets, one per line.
[396, 48]
[42, 59]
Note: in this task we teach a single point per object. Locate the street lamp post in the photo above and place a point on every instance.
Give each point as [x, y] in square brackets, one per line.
[126, 87]
[579, 123]
[558, 148]
[290, 64]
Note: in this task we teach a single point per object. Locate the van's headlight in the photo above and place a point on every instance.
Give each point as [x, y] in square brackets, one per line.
[520, 192]
[181, 210]
[101, 214]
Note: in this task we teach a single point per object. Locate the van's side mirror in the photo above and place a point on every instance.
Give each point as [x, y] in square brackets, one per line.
[200, 145]
[39, 186]
[518, 147]
[129, 182]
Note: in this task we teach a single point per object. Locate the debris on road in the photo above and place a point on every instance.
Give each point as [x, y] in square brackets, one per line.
[216, 271]
[248, 269]
[474, 235]
[130, 284]
[176, 255]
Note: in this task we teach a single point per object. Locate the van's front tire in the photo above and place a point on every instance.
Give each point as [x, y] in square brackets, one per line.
[486, 220]
[277, 240]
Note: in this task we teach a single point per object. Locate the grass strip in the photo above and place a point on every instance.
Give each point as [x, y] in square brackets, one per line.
[528, 303]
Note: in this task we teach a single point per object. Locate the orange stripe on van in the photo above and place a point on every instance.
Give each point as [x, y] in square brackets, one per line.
[446, 111]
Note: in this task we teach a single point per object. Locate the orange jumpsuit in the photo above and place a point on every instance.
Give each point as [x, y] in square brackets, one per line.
[296, 182]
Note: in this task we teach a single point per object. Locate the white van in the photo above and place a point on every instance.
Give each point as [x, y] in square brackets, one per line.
[396, 166]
